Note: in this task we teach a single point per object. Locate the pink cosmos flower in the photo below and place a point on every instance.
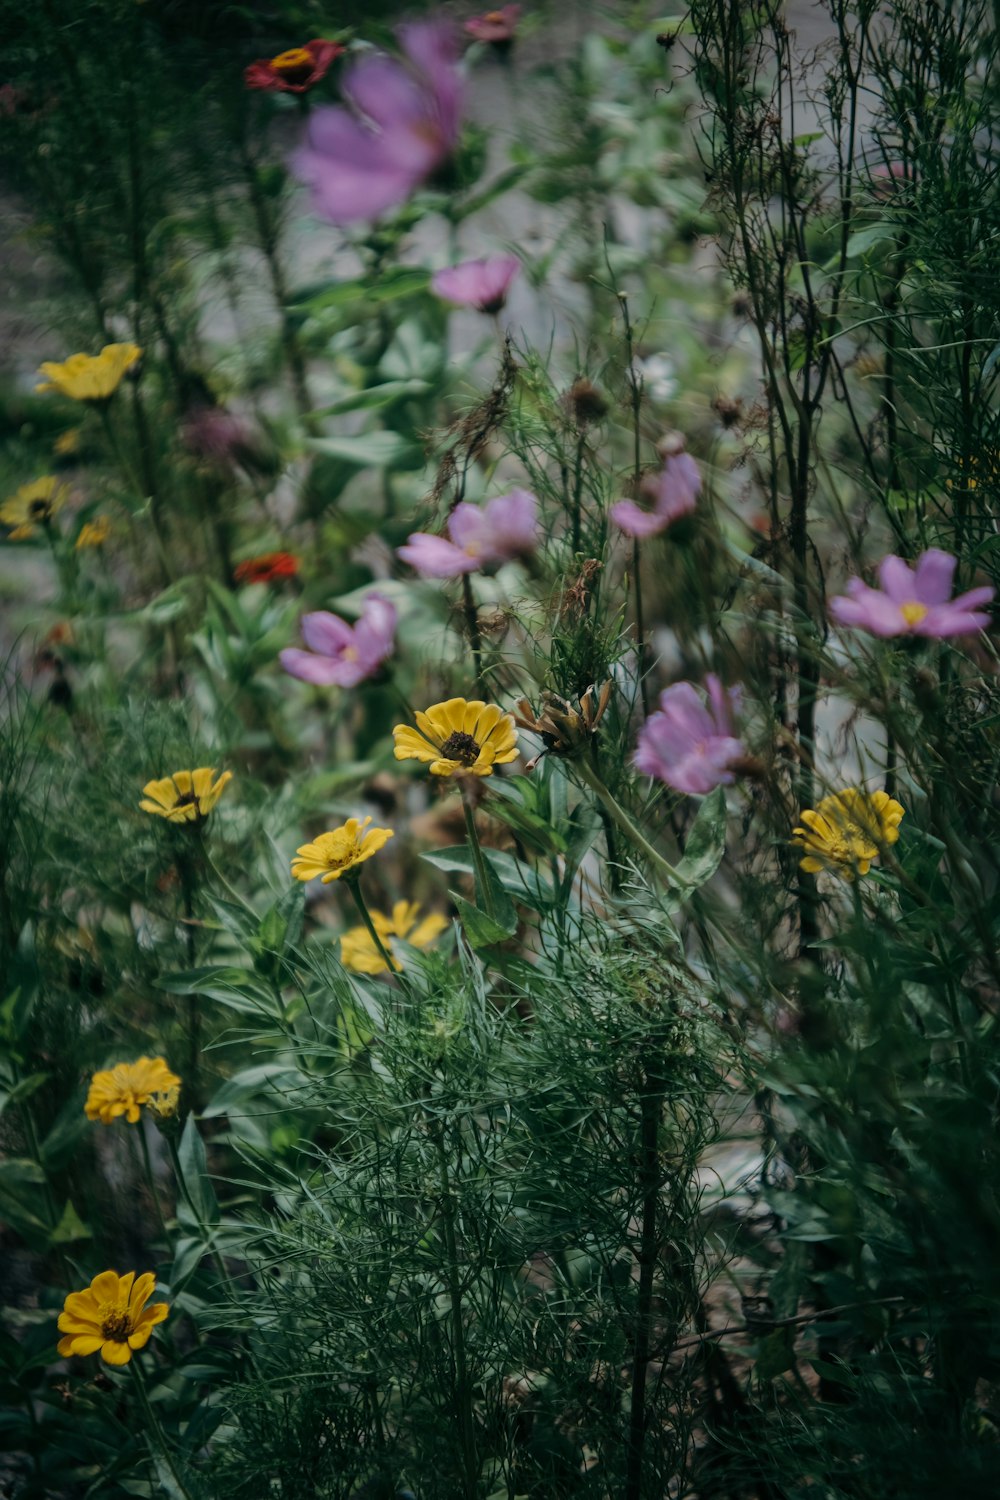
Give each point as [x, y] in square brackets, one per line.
[482, 284]
[496, 26]
[673, 492]
[402, 123]
[340, 654]
[504, 529]
[912, 601]
[690, 746]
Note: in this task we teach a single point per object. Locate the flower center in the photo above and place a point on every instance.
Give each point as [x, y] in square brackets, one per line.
[495, 17]
[461, 747]
[292, 61]
[913, 612]
[349, 653]
[186, 799]
[116, 1324]
[38, 510]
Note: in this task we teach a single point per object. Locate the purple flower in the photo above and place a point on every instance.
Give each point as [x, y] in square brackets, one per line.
[673, 492]
[912, 601]
[693, 748]
[505, 528]
[482, 284]
[402, 124]
[339, 653]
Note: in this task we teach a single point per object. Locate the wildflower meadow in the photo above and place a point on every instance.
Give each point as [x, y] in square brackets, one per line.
[499, 751]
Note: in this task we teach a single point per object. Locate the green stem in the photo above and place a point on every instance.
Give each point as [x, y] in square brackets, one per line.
[155, 1436]
[355, 889]
[663, 867]
[150, 1179]
[472, 626]
[484, 887]
[462, 1386]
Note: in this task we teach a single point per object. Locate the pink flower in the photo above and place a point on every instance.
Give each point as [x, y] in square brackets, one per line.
[505, 528]
[496, 26]
[912, 601]
[673, 492]
[339, 653]
[482, 284]
[402, 124]
[294, 71]
[691, 747]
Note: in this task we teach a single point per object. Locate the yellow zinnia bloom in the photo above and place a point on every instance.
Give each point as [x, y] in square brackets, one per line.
[459, 738]
[67, 444]
[335, 853]
[33, 505]
[186, 796]
[90, 377]
[847, 830]
[357, 947]
[93, 533]
[110, 1315]
[122, 1089]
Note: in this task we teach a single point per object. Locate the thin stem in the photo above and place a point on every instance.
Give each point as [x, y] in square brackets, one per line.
[484, 887]
[354, 887]
[154, 1430]
[150, 1179]
[625, 823]
[472, 626]
[462, 1385]
[649, 1168]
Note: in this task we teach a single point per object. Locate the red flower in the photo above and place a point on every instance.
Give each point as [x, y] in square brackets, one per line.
[295, 71]
[269, 567]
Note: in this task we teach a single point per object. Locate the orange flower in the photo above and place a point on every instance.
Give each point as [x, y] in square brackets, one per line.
[268, 567]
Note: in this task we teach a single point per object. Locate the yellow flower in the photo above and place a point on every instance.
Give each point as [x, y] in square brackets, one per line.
[91, 377]
[93, 533]
[335, 853]
[461, 738]
[122, 1089]
[357, 947]
[110, 1315]
[186, 796]
[847, 830]
[33, 505]
[67, 444]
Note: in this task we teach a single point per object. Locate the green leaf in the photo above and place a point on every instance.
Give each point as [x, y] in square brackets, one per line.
[515, 877]
[372, 450]
[706, 843]
[240, 989]
[194, 1169]
[70, 1228]
[481, 930]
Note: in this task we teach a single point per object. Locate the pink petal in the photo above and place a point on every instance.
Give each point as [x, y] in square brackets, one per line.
[636, 522]
[867, 609]
[322, 671]
[326, 633]
[375, 632]
[933, 577]
[512, 524]
[898, 582]
[435, 557]
[468, 529]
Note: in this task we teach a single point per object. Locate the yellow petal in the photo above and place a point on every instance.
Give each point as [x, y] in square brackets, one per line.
[114, 1353]
[446, 767]
[410, 745]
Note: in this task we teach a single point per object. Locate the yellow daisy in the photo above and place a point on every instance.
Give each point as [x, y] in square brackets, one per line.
[122, 1089]
[186, 796]
[93, 533]
[335, 853]
[357, 947]
[90, 377]
[846, 831]
[110, 1315]
[33, 505]
[459, 738]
